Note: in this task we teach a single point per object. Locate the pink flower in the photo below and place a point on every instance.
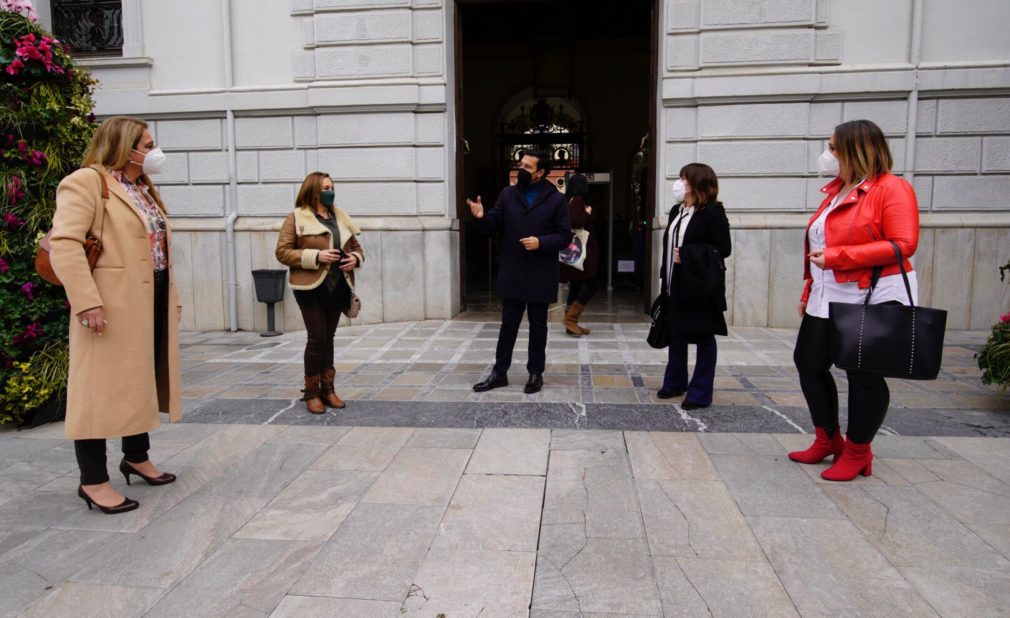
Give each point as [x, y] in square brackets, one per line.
[11, 220]
[4, 267]
[1005, 317]
[16, 6]
[31, 332]
[15, 66]
[29, 289]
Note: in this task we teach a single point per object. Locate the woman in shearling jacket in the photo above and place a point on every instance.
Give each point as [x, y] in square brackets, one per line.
[865, 208]
[318, 242]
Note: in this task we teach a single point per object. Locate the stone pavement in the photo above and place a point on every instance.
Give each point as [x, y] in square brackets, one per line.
[492, 513]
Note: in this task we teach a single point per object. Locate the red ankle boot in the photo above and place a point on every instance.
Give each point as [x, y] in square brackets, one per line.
[856, 459]
[821, 448]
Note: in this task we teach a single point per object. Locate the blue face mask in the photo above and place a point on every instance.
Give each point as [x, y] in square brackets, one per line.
[327, 197]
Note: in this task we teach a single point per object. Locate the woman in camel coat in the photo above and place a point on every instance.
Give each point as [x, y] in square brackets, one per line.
[124, 334]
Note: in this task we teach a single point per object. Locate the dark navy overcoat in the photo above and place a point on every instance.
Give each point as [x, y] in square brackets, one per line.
[529, 276]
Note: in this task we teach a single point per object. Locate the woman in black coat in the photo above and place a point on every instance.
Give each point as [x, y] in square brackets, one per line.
[693, 273]
[582, 284]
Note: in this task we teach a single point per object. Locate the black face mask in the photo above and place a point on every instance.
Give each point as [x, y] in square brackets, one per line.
[524, 178]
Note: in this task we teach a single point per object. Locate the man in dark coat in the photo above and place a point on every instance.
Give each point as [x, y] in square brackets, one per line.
[531, 219]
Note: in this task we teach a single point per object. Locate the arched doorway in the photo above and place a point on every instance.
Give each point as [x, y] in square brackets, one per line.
[576, 79]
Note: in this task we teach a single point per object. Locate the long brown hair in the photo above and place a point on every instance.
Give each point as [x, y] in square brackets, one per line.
[703, 181]
[861, 145]
[312, 187]
[111, 145]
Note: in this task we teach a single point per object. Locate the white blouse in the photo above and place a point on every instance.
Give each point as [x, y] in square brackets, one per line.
[675, 240]
[825, 289]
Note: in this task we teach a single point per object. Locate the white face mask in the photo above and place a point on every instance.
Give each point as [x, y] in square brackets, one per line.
[154, 161]
[679, 191]
[828, 164]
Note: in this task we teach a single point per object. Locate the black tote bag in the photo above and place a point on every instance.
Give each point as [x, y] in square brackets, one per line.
[891, 340]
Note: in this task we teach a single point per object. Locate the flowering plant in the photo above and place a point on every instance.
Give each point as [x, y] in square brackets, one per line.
[994, 357]
[45, 125]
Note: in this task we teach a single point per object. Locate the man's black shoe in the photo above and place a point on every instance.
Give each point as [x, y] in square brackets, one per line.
[535, 383]
[492, 381]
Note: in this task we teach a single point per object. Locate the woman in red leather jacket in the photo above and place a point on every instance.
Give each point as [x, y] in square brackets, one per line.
[865, 207]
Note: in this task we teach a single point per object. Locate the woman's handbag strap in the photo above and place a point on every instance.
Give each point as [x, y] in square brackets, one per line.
[904, 275]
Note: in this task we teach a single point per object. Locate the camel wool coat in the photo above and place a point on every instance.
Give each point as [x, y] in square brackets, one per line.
[113, 390]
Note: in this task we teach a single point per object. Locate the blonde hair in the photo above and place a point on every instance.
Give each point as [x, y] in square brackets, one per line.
[111, 145]
[312, 187]
[863, 148]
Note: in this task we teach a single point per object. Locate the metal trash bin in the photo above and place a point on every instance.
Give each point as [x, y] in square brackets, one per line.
[269, 290]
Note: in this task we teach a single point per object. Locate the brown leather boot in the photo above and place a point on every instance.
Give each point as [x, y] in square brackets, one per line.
[577, 310]
[572, 323]
[326, 389]
[311, 398]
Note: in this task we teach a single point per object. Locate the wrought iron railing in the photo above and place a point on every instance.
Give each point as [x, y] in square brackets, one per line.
[92, 27]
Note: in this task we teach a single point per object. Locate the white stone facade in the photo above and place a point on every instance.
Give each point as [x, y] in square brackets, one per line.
[364, 90]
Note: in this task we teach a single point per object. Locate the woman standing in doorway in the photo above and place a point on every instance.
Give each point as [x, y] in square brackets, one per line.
[693, 273]
[865, 208]
[318, 242]
[582, 285]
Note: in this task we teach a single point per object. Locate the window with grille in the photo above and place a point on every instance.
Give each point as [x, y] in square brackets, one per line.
[89, 27]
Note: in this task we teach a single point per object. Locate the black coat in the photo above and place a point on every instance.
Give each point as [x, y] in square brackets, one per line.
[529, 276]
[697, 297]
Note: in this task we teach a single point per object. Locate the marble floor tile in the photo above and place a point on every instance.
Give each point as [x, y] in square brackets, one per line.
[158, 557]
[77, 599]
[767, 485]
[243, 574]
[736, 587]
[695, 519]
[829, 568]
[511, 451]
[665, 455]
[500, 513]
[472, 583]
[911, 530]
[364, 448]
[311, 508]
[222, 448]
[587, 440]
[425, 476]
[326, 607]
[444, 438]
[310, 435]
[956, 591]
[373, 555]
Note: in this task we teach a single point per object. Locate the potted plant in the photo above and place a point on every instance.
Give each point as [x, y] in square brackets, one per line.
[45, 125]
[994, 357]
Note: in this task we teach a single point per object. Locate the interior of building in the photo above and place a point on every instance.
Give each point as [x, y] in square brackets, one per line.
[575, 78]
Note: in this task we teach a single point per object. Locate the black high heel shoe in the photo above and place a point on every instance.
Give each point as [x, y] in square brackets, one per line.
[127, 470]
[124, 506]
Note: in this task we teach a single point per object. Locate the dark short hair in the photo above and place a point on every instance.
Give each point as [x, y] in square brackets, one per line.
[703, 181]
[543, 159]
[577, 184]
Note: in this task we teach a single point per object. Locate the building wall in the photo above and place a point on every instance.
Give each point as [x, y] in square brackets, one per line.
[364, 89]
[755, 88]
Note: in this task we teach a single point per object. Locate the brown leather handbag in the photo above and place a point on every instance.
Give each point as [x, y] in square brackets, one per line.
[92, 245]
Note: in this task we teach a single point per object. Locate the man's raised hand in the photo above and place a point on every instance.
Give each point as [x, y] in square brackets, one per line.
[477, 208]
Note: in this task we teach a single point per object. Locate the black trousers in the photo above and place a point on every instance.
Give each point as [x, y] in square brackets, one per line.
[868, 393]
[511, 318]
[321, 311]
[581, 291]
[91, 453]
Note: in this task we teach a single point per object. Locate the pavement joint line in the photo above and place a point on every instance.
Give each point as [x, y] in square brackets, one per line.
[785, 418]
[702, 426]
[279, 412]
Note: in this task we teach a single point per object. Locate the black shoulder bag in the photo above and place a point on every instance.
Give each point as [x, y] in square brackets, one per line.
[891, 340]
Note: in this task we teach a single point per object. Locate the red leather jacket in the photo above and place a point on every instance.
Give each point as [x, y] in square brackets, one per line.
[857, 231]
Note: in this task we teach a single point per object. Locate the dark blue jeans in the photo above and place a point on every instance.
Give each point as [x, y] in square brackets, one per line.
[699, 390]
